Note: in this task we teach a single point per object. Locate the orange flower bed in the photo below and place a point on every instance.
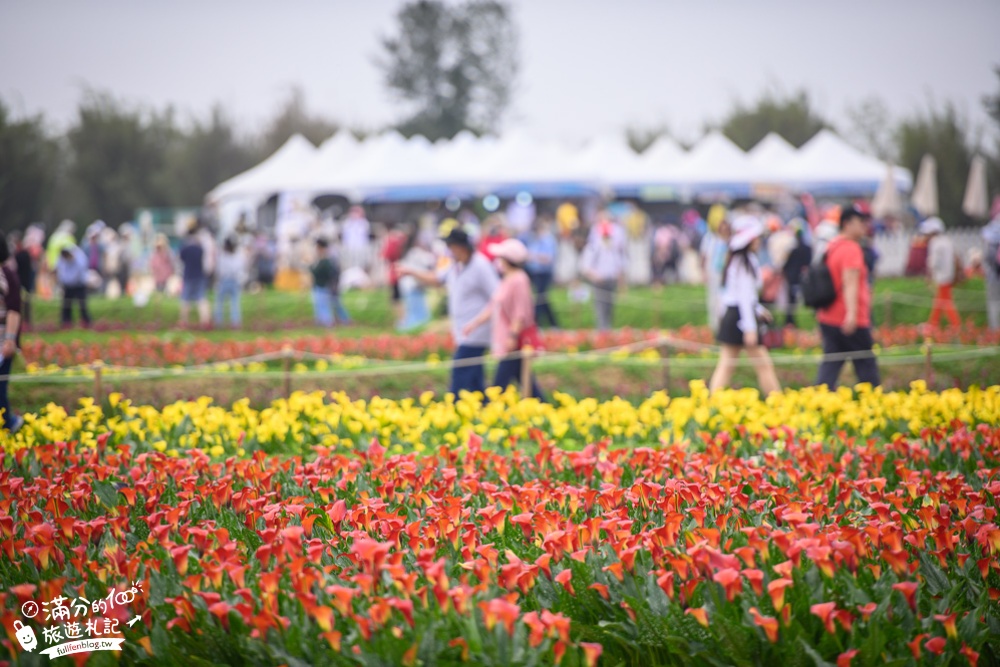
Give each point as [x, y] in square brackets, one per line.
[153, 351]
[745, 549]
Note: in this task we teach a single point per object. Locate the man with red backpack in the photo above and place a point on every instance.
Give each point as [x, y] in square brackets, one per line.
[845, 324]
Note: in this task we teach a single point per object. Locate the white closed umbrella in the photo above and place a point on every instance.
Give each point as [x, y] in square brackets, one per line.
[976, 202]
[925, 194]
[887, 202]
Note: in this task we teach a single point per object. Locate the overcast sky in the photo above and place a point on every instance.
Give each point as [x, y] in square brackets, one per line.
[588, 66]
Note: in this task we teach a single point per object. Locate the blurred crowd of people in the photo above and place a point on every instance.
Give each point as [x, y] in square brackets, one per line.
[594, 250]
[497, 274]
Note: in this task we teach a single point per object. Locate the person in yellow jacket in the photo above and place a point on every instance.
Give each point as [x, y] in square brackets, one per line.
[567, 218]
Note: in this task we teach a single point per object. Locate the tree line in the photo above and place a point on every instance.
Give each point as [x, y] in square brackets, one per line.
[115, 158]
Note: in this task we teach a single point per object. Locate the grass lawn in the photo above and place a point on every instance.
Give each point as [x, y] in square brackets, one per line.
[280, 314]
[896, 301]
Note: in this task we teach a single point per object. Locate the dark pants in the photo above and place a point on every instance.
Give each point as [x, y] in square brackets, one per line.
[544, 317]
[793, 297]
[25, 307]
[604, 303]
[838, 343]
[73, 293]
[4, 402]
[509, 373]
[468, 377]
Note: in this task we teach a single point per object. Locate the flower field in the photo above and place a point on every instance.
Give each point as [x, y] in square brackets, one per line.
[157, 352]
[811, 528]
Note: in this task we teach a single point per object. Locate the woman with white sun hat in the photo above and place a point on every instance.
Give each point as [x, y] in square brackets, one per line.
[738, 329]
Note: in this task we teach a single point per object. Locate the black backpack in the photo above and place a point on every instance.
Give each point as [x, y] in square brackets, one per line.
[818, 290]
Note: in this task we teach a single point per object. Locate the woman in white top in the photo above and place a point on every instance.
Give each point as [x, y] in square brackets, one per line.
[232, 273]
[741, 283]
[418, 259]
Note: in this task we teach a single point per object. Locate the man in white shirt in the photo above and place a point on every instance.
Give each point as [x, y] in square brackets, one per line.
[603, 265]
[355, 238]
[941, 270]
[470, 281]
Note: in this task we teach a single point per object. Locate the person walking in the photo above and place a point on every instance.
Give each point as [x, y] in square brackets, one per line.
[394, 246]
[512, 313]
[542, 250]
[738, 328]
[71, 272]
[95, 254]
[232, 275]
[494, 233]
[845, 325]
[470, 281]
[195, 278]
[325, 274]
[10, 322]
[63, 237]
[419, 257]
[355, 239]
[713, 250]
[161, 264]
[603, 266]
[991, 267]
[940, 271]
[795, 267]
[265, 259]
[26, 273]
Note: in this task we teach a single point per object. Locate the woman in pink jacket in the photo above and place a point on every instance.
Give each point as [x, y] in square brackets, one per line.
[513, 311]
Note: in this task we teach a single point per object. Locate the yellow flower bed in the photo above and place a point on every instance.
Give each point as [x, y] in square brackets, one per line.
[307, 420]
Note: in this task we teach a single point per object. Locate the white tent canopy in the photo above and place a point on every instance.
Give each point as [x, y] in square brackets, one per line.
[611, 161]
[389, 167]
[714, 163]
[663, 153]
[769, 156]
[268, 177]
[829, 165]
[334, 156]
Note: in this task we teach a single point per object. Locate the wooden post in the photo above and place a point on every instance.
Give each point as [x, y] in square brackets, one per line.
[287, 351]
[526, 354]
[887, 319]
[928, 365]
[98, 384]
[665, 356]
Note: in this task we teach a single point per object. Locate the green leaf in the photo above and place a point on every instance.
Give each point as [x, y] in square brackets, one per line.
[937, 580]
[161, 642]
[106, 493]
[817, 658]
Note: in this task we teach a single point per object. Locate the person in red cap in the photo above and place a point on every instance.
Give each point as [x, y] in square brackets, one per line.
[513, 313]
[845, 324]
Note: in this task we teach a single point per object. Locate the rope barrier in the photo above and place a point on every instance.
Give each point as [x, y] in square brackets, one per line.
[386, 367]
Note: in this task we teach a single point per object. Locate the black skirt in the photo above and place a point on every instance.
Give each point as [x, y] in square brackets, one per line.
[729, 328]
